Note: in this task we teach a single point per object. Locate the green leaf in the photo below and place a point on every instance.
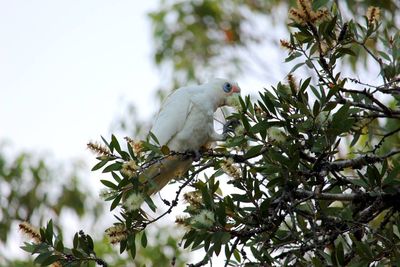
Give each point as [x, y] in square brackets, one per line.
[253, 151]
[256, 253]
[143, 240]
[189, 238]
[329, 106]
[109, 184]
[316, 4]
[99, 165]
[316, 262]
[309, 64]
[113, 167]
[207, 200]
[330, 27]
[316, 108]
[355, 139]
[41, 248]
[343, 50]
[332, 92]
[150, 203]
[114, 144]
[58, 244]
[28, 247]
[42, 257]
[221, 213]
[340, 120]
[76, 240]
[42, 234]
[373, 175]
[293, 56]
[339, 252]
[105, 142]
[298, 65]
[268, 100]
[132, 246]
[305, 84]
[316, 92]
[90, 242]
[236, 254]
[154, 138]
[51, 259]
[115, 202]
[384, 55]
[78, 253]
[217, 247]
[116, 177]
[122, 246]
[260, 127]
[225, 237]
[364, 250]
[49, 232]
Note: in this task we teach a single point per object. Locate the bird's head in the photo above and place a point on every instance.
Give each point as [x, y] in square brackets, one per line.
[225, 92]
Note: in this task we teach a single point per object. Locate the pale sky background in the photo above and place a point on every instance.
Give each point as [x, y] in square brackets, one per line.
[64, 67]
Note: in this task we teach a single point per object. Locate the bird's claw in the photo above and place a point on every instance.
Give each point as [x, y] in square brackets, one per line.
[196, 155]
[229, 127]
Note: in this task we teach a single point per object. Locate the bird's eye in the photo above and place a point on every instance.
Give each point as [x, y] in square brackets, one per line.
[227, 87]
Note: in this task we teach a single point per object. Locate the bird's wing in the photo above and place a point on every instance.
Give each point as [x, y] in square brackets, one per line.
[162, 172]
[172, 116]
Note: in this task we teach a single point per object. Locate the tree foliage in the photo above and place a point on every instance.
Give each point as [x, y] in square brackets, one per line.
[195, 38]
[311, 175]
[24, 181]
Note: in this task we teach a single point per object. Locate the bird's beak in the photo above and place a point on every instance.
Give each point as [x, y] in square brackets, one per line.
[235, 88]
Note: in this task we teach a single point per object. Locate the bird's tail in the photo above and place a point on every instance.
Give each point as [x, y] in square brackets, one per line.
[162, 172]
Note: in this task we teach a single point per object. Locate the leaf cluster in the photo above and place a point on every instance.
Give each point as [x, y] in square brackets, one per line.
[51, 249]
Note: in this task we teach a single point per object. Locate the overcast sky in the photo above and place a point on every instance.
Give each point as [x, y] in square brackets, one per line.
[66, 65]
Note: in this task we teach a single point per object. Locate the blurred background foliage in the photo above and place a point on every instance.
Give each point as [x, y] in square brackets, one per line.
[191, 40]
[195, 38]
[35, 189]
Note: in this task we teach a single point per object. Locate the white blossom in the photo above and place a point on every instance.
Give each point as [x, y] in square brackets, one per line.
[205, 218]
[230, 169]
[133, 202]
[116, 233]
[276, 134]
[106, 193]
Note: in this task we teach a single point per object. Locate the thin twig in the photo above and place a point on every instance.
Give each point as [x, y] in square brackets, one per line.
[384, 137]
[357, 163]
[175, 201]
[325, 196]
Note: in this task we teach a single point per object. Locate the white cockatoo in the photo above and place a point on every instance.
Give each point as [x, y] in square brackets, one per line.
[185, 123]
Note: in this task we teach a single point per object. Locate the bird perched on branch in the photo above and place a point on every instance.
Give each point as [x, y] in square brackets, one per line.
[185, 123]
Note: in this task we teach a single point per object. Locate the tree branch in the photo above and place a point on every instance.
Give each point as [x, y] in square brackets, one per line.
[393, 113]
[357, 163]
[175, 201]
[384, 137]
[301, 193]
[384, 108]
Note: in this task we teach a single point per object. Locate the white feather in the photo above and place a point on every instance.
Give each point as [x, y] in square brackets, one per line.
[186, 123]
[185, 120]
